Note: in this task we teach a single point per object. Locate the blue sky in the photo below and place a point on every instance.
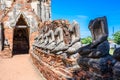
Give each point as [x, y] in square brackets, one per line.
[84, 10]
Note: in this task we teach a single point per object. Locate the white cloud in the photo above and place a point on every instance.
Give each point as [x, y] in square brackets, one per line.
[82, 17]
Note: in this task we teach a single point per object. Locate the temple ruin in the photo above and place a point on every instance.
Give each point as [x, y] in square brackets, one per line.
[55, 46]
[19, 22]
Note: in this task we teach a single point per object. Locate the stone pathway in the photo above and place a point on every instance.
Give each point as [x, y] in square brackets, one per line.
[19, 67]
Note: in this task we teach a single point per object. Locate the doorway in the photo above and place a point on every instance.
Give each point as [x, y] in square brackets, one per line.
[21, 35]
[21, 41]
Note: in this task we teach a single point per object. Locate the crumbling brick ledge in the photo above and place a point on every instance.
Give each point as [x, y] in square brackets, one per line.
[50, 68]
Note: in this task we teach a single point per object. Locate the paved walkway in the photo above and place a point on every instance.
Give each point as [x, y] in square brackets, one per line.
[18, 68]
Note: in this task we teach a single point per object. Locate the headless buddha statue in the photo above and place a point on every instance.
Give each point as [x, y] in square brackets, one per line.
[60, 44]
[99, 46]
[96, 55]
[51, 40]
[75, 43]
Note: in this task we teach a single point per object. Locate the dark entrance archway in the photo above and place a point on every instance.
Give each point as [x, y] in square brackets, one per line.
[21, 41]
[21, 36]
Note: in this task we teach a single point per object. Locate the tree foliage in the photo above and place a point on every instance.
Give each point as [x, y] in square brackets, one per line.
[86, 40]
[116, 37]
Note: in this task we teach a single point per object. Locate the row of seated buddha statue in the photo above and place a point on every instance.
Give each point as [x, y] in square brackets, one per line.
[94, 58]
[53, 40]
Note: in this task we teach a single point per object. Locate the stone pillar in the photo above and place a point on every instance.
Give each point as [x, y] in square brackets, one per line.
[11, 41]
[14, 13]
[42, 10]
[1, 37]
[45, 10]
[2, 6]
[48, 10]
[38, 10]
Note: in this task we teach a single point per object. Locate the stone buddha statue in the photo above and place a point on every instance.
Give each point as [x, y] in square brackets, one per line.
[40, 40]
[51, 40]
[45, 42]
[96, 56]
[75, 43]
[60, 44]
[99, 46]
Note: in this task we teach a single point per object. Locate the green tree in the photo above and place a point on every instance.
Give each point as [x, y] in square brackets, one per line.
[116, 37]
[86, 40]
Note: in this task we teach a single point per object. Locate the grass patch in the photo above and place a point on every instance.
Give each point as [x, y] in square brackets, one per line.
[111, 51]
